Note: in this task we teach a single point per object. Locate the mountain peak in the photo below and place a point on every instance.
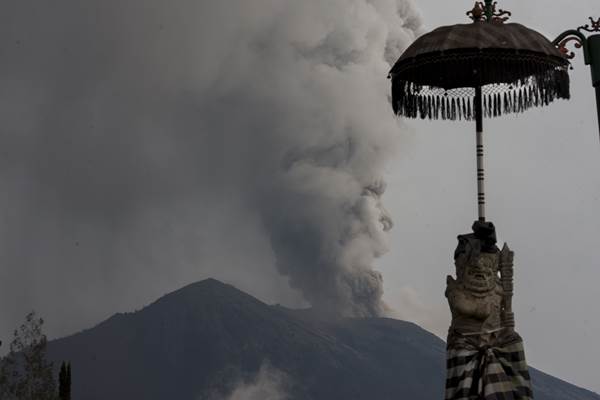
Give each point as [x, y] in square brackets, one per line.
[207, 337]
[207, 284]
[208, 290]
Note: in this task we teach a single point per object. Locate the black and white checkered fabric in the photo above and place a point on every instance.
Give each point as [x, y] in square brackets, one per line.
[491, 373]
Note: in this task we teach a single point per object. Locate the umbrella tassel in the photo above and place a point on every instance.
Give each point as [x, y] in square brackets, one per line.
[453, 109]
[565, 84]
[408, 100]
[484, 106]
[402, 104]
[496, 106]
[429, 107]
[469, 108]
[443, 108]
[499, 100]
[397, 104]
[521, 103]
[417, 106]
[496, 112]
[456, 107]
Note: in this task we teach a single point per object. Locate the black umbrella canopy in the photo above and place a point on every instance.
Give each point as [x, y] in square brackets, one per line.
[484, 69]
[516, 67]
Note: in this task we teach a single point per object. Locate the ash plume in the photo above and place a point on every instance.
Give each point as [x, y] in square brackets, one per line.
[323, 210]
[149, 143]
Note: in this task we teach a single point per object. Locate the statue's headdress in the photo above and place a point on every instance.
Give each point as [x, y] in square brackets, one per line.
[482, 240]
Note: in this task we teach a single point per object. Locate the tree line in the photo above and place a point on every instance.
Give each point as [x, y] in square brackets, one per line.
[25, 372]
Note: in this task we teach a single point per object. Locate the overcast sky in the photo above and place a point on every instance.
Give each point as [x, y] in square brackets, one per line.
[543, 171]
[137, 137]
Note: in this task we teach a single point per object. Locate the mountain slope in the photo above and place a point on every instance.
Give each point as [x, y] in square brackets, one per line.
[202, 340]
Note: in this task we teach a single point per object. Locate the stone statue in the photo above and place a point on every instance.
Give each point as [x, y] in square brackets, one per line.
[485, 355]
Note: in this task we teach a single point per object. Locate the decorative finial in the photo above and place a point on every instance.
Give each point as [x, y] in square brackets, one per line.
[488, 12]
[594, 28]
[477, 13]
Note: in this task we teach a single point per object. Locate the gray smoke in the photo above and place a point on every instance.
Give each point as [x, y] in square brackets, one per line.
[143, 138]
[268, 384]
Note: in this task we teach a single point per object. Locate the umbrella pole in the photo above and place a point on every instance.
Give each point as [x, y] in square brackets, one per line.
[480, 154]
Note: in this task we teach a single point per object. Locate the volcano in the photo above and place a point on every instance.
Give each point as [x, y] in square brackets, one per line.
[204, 340]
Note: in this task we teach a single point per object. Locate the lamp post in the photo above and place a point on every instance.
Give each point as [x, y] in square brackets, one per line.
[591, 51]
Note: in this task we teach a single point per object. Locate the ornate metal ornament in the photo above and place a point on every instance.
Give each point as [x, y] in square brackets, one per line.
[591, 50]
[562, 46]
[488, 13]
[595, 27]
[578, 39]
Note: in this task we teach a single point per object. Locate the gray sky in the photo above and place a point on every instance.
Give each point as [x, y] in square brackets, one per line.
[543, 171]
[140, 144]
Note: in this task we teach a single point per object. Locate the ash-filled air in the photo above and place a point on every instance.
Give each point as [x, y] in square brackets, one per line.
[145, 140]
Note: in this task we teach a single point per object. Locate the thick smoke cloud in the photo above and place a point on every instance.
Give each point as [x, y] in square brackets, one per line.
[142, 138]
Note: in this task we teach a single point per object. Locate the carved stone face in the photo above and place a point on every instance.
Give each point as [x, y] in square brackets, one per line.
[480, 275]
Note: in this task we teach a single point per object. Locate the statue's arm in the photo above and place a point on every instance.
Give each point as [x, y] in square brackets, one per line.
[459, 303]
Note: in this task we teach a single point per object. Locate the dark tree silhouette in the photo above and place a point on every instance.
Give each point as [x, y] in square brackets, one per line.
[64, 382]
[25, 374]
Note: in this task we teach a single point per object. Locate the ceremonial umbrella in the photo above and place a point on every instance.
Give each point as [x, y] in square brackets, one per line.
[483, 69]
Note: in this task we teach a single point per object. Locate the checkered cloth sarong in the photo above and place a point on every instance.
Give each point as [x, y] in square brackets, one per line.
[488, 373]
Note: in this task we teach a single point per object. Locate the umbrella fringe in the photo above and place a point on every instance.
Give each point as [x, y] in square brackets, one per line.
[546, 85]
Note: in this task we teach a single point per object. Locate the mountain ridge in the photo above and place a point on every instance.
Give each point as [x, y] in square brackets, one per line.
[208, 336]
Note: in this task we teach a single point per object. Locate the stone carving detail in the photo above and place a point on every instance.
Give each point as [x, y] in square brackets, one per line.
[475, 297]
[486, 358]
[481, 295]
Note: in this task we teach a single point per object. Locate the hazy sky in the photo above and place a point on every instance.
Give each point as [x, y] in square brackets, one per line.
[543, 171]
[140, 143]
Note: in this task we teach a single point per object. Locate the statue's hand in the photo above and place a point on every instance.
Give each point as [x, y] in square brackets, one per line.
[451, 287]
